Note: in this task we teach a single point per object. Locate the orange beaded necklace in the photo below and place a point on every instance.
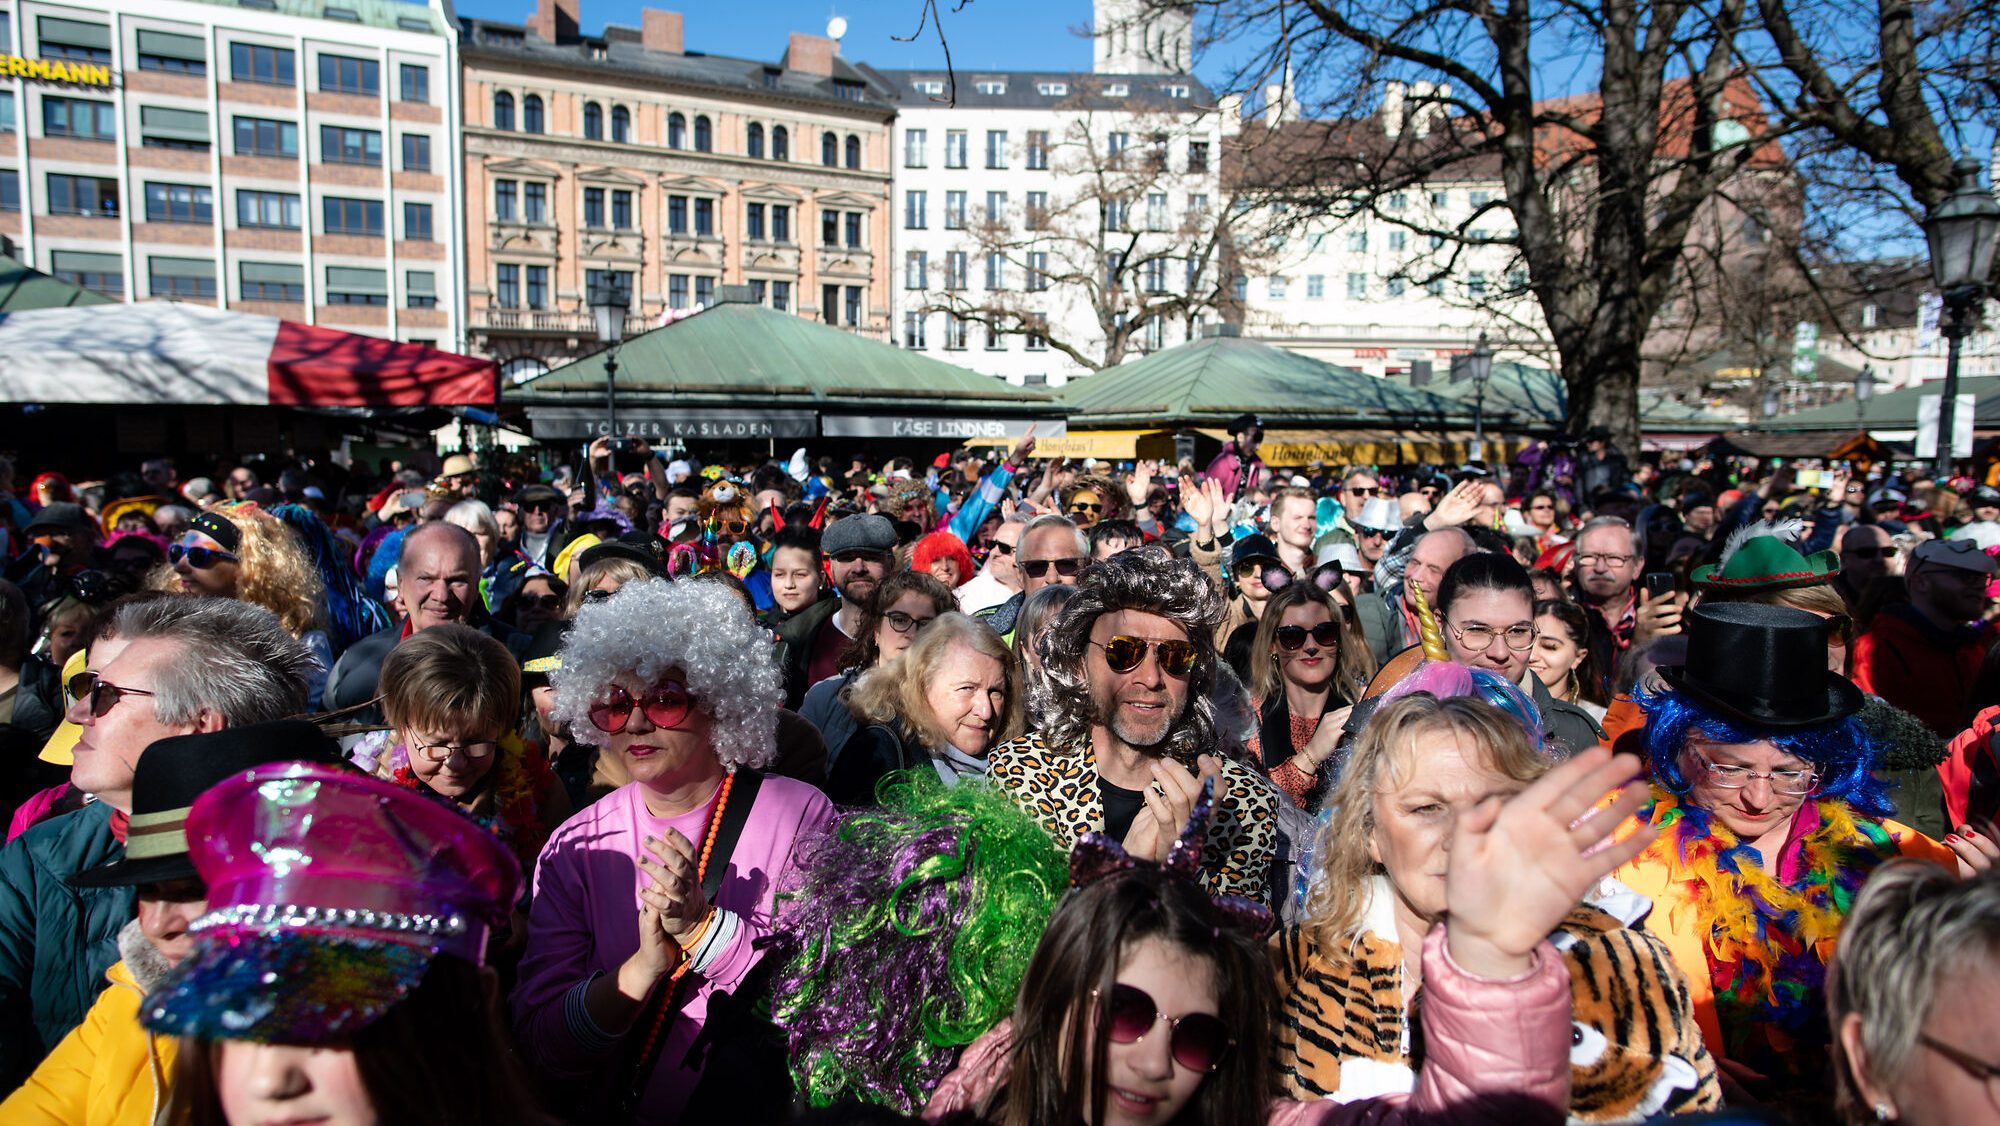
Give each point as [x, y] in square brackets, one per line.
[701, 876]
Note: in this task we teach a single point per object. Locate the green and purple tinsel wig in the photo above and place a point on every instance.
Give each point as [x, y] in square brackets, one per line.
[904, 935]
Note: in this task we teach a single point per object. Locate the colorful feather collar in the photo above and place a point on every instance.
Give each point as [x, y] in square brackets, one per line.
[1768, 942]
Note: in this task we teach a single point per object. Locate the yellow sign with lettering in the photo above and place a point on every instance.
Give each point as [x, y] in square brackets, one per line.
[55, 70]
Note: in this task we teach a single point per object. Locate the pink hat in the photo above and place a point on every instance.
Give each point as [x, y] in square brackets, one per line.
[343, 887]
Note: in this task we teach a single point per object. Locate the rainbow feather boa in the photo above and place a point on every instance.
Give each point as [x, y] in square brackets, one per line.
[1768, 942]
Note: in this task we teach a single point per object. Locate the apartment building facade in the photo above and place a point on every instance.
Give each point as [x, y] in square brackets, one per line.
[624, 163]
[296, 163]
[1042, 207]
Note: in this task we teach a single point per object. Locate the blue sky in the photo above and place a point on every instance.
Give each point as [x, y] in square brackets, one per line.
[996, 34]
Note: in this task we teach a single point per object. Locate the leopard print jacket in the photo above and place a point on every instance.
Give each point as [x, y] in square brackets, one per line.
[1058, 788]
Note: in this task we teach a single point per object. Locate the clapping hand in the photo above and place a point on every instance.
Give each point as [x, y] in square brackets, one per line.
[1141, 482]
[1520, 865]
[671, 905]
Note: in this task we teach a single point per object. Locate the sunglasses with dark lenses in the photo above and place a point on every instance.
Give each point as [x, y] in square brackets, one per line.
[1067, 568]
[102, 694]
[1357, 490]
[1871, 552]
[1091, 508]
[200, 558]
[1124, 654]
[1839, 629]
[1198, 1041]
[1291, 638]
[599, 595]
[999, 548]
[549, 506]
[666, 708]
[860, 557]
[730, 527]
[545, 601]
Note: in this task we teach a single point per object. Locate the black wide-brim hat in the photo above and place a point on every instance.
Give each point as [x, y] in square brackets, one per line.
[1764, 666]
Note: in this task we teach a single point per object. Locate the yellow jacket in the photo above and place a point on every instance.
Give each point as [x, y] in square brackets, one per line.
[109, 1071]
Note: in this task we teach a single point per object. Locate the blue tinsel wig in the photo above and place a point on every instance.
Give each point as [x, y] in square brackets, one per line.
[1840, 749]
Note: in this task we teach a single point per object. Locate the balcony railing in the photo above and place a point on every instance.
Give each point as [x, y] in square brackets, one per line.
[552, 322]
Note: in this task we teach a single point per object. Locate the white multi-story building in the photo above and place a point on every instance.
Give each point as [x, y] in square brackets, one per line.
[1050, 223]
[1372, 293]
[299, 159]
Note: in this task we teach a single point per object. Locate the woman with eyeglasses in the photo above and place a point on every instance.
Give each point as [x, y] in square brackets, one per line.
[1911, 995]
[899, 607]
[452, 697]
[600, 578]
[1486, 611]
[1766, 570]
[1770, 820]
[1314, 663]
[1146, 1001]
[650, 904]
[943, 704]
[541, 598]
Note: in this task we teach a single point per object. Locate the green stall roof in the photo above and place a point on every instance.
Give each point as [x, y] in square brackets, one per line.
[1894, 410]
[1212, 380]
[22, 288]
[1535, 397]
[748, 354]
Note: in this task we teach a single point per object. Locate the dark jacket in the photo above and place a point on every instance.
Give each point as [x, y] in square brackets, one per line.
[1563, 720]
[355, 676]
[797, 635]
[874, 751]
[38, 708]
[56, 941]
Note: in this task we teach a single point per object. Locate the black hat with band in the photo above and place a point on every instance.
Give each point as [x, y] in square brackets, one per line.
[218, 528]
[172, 772]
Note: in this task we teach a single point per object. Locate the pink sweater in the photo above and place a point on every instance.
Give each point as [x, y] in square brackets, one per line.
[585, 921]
[1497, 1052]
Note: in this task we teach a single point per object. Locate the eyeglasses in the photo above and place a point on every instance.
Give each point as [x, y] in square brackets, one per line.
[599, 595]
[1789, 782]
[1124, 654]
[1359, 491]
[442, 752]
[860, 557]
[1197, 1041]
[102, 694]
[730, 527]
[1325, 635]
[1888, 552]
[666, 708]
[1543, 507]
[1478, 637]
[905, 623]
[1067, 568]
[541, 506]
[1839, 629]
[1093, 509]
[999, 548]
[1607, 562]
[1967, 1062]
[1370, 533]
[200, 558]
[546, 601]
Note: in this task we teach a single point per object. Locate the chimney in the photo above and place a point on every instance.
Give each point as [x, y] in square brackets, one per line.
[554, 21]
[1393, 109]
[661, 31]
[811, 54]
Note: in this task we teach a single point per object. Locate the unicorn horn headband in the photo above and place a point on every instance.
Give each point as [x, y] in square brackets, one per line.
[1427, 625]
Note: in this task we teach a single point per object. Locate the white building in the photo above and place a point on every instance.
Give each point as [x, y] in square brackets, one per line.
[1371, 293]
[296, 158]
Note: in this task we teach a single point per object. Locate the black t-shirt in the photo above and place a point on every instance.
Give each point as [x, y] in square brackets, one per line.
[1121, 807]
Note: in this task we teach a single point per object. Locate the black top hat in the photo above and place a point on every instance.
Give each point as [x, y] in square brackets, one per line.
[544, 652]
[1246, 424]
[172, 772]
[1762, 665]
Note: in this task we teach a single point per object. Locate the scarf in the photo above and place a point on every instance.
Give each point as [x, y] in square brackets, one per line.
[1769, 939]
[513, 788]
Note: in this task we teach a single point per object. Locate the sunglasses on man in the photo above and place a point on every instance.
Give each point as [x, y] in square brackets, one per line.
[1123, 654]
[102, 694]
[1067, 568]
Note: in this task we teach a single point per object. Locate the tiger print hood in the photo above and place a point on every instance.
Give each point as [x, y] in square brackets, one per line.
[1345, 1031]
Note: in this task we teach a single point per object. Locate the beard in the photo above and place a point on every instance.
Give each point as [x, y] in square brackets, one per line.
[1133, 730]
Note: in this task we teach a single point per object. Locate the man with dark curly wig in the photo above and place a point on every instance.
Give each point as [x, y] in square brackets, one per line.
[1129, 733]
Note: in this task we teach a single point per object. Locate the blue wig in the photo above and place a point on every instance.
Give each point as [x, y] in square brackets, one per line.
[1841, 749]
[350, 614]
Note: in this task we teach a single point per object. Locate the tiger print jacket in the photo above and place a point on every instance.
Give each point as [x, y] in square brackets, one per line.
[1058, 788]
[1636, 1049]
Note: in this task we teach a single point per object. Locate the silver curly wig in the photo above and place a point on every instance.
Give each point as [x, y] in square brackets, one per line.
[1142, 578]
[653, 625]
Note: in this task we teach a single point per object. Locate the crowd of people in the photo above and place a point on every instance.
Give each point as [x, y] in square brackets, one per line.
[999, 789]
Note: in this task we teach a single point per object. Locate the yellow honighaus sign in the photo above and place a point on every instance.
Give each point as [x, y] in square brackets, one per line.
[55, 70]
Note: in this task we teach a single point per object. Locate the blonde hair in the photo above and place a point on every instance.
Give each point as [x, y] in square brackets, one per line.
[272, 569]
[450, 676]
[617, 567]
[1353, 664]
[1819, 598]
[1338, 898]
[895, 692]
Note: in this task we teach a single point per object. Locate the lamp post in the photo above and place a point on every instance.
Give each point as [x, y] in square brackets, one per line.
[609, 302]
[1479, 365]
[1864, 390]
[1961, 233]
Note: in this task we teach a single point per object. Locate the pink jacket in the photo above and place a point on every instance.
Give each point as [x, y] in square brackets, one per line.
[1496, 1052]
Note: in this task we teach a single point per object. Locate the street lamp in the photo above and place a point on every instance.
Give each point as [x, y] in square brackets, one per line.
[609, 302]
[1961, 233]
[1479, 365]
[1864, 389]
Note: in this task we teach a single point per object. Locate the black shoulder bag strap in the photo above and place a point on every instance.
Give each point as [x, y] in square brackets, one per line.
[646, 1051]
